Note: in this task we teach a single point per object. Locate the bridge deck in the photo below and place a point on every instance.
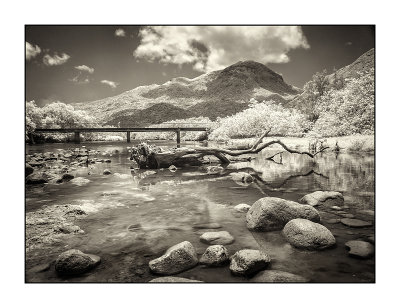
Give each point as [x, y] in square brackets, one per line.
[120, 129]
[126, 130]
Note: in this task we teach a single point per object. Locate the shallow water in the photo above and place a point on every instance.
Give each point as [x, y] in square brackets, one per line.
[135, 215]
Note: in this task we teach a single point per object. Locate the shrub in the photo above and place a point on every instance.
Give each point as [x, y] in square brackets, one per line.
[258, 118]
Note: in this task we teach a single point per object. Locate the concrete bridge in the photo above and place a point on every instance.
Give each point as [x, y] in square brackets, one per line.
[128, 130]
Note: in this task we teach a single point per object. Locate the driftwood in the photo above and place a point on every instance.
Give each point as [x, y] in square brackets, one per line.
[152, 157]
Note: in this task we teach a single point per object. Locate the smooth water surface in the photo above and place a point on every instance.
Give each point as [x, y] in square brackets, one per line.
[135, 215]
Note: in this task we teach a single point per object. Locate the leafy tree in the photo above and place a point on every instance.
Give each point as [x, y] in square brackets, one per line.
[313, 89]
[349, 110]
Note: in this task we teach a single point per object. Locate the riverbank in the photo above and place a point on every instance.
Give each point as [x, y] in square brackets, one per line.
[348, 144]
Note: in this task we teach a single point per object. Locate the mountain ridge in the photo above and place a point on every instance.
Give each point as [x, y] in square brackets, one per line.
[215, 94]
[218, 93]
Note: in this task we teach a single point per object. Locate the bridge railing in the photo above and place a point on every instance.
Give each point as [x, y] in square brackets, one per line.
[128, 130]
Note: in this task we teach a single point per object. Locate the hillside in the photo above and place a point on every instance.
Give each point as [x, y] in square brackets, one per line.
[363, 64]
[216, 94]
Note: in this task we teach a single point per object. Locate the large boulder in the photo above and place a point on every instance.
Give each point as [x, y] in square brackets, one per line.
[75, 262]
[360, 249]
[277, 276]
[173, 279]
[215, 255]
[268, 214]
[36, 178]
[176, 259]
[303, 233]
[218, 237]
[247, 262]
[327, 198]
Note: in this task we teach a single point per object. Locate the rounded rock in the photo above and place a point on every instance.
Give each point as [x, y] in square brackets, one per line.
[355, 223]
[270, 213]
[327, 198]
[215, 255]
[173, 279]
[75, 262]
[360, 249]
[303, 233]
[247, 262]
[218, 237]
[176, 259]
[277, 276]
[242, 208]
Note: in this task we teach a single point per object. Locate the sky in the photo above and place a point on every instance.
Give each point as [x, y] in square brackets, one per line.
[86, 63]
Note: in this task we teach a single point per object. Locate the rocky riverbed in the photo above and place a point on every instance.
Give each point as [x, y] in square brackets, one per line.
[103, 220]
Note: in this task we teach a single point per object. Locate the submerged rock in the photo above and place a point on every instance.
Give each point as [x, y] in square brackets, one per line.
[218, 237]
[347, 215]
[172, 168]
[355, 223]
[173, 279]
[40, 268]
[106, 172]
[176, 259]
[214, 169]
[28, 169]
[209, 225]
[333, 221]
[242, 177]
[65, 178]
[215, 255]
[277, 276]
[242, 208]
[75, 262]
[80, 181]
[360, 249]
[303, 233]
[327, 198]
[270, 213]
[66, 228]
[36, 178]
[247, 262]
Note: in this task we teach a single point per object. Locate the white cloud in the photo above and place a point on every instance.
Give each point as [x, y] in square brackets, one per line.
[210, 48]
[56, 59]
[120, 32]
[79, 79]
[31, 51]
[110, 83]
[85, 68]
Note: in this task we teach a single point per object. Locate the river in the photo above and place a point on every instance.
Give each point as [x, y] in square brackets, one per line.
[133, 216]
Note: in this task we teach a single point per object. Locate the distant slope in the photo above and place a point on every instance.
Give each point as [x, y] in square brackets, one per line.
[216, 94]
[363, 64]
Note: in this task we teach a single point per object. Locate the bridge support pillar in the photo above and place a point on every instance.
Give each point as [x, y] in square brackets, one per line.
[178, 138]
[77, 138]
[128, 137]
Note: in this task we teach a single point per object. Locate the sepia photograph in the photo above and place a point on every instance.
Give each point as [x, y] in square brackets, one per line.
[204, 153]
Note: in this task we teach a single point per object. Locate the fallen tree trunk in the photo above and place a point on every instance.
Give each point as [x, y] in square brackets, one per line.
[152, 157]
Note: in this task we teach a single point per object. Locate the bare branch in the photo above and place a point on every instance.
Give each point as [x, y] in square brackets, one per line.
[260, 139]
